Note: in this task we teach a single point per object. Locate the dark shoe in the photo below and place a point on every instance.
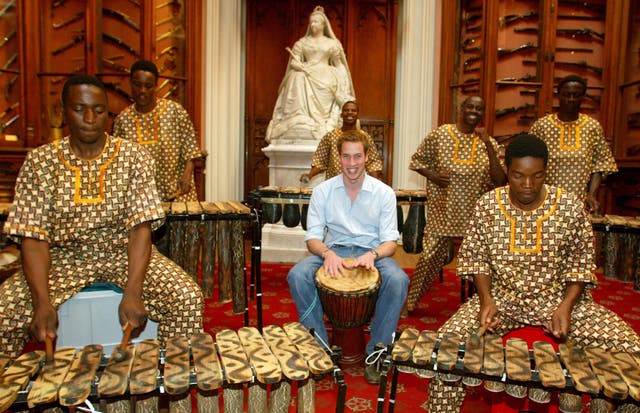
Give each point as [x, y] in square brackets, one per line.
[371, 374]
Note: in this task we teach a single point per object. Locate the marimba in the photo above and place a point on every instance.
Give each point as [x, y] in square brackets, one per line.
[290, 205]
[590, 370]
[203, 234]
[264, 363]
[617, 241]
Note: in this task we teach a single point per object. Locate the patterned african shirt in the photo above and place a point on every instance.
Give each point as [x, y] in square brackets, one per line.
[84, 207]
[577, 149]
[168, 134]
[465, 155]
[529, 255]
[327, 157]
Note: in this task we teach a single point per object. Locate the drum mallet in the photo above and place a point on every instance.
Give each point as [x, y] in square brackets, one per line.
[48, 346]
[475, 338]
[120, 354]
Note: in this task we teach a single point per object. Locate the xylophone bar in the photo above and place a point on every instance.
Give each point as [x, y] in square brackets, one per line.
[222, 368]
[591, 370]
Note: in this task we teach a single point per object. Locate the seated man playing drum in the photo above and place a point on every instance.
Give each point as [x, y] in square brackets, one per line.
[84, 209]
[529, 250]
[352, 215]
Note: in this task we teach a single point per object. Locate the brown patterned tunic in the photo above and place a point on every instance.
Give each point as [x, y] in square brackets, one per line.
[327, 157]
[529, 255]
[446, 148]
[85, 209]
[168, 134]
[577, 149]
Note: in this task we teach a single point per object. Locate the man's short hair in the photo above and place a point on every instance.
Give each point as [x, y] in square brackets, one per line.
[353, 136]
[347, 102]
[525, 144]
[145, 66]
[81, 80]
[572, 78]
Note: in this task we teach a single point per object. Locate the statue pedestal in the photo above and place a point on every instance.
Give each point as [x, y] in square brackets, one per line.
[287, 161]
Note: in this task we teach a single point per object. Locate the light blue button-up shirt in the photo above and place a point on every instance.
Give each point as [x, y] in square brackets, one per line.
[367, 222]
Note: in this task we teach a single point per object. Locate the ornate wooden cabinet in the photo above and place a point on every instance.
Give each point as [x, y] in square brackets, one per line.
[42, 43]
[514, 52]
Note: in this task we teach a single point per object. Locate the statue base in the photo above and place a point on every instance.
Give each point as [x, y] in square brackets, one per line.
[287, 161]
[282, 244]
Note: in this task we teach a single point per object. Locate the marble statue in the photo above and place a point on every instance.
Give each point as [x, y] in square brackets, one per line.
[315, 86]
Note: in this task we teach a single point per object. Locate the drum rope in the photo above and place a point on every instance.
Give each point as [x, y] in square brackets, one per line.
[374, 356]
[311, 307]
[89, 407]
[324, 343]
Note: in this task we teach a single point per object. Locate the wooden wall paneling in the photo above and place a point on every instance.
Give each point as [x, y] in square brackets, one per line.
[547, 55]
[11, 160]
[373, 23]
[269, 31]
[514, 101]
[449, 40]
[12, 119]
[193, 64]
[628, 84]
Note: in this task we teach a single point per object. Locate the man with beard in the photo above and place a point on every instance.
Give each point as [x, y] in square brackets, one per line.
[460, 163]
[529, 251]
[352, 215]
[163, 127]
[579, 156]
[327, 158]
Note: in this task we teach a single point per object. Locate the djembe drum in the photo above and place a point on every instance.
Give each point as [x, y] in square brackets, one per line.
[349, 302]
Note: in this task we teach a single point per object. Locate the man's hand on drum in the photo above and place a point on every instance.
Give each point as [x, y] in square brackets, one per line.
[366, 260]
[334, 265]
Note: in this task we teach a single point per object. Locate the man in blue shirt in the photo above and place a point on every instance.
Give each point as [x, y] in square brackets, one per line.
[352, 215]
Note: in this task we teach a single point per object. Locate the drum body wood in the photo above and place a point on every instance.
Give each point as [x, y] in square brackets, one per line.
[349, 302]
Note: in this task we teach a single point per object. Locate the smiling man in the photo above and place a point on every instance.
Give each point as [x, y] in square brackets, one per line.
[327, 156]
[529, 251]
[460, 162]
[83, 213]
[352, 215]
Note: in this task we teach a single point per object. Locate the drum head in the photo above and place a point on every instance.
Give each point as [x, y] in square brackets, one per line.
[356, 279]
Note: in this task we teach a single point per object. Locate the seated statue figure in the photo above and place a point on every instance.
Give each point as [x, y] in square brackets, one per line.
[315, 86]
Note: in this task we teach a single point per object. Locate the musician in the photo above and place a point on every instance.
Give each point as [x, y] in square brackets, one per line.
[460, 162]
[529, 251]
[327, 158]
[359, 215]
[83, 211]
[163, 127]
[579, 156]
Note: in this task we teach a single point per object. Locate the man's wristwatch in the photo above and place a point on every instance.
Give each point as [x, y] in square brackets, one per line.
[375, 253]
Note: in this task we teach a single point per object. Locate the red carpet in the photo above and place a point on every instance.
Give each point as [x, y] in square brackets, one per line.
[439, 304]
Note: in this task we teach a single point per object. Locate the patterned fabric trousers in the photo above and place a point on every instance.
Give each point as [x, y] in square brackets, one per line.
[597, 326]
[170, 296]
[435, 251]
